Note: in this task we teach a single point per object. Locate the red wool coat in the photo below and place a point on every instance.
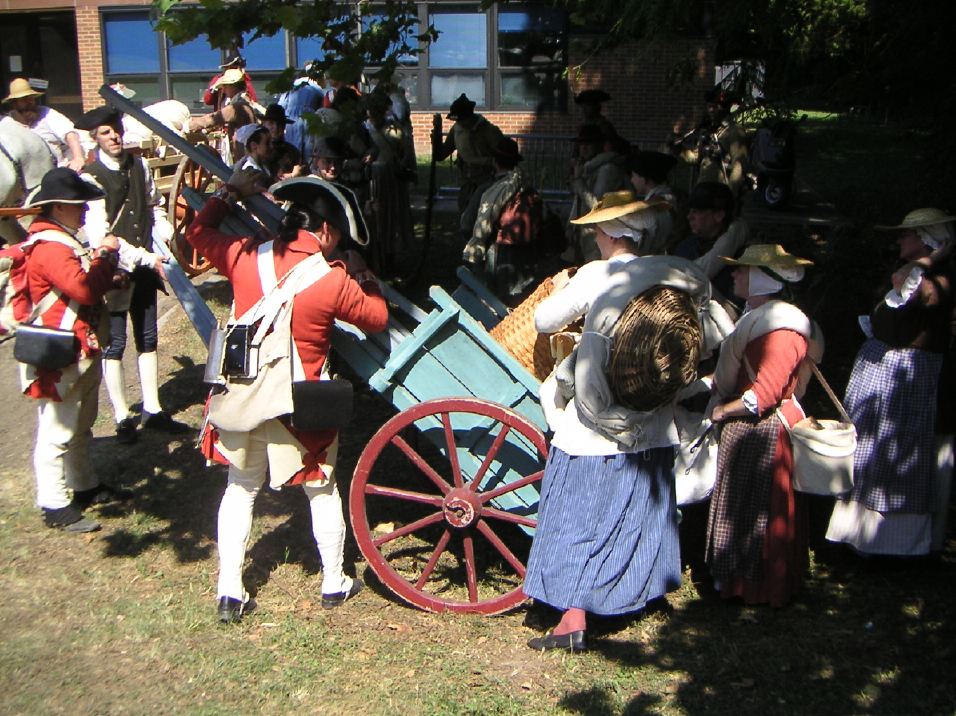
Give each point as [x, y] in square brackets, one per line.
[52, 265]
[335, 296]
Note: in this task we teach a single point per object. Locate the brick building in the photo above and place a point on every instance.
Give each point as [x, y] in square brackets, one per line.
[511, 60]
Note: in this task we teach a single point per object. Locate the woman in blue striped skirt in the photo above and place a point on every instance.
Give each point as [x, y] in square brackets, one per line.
[607, 539]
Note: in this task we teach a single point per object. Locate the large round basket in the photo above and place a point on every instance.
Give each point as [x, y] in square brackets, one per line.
[655, 348]
[517, 334]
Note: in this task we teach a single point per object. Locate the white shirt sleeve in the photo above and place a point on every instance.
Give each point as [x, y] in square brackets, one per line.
[727, 244]
[572, 301]
[895, 299]
[58, 125]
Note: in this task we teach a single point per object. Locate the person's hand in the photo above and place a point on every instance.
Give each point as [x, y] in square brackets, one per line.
[246, 182]
[158, 265]
[109, 242]
[77, 164]
[561, 279]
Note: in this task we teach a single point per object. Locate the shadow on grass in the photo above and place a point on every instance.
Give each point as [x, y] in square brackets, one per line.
[870, 637]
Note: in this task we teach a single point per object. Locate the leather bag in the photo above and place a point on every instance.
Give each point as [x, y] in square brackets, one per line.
[42, 347]
[321, 404]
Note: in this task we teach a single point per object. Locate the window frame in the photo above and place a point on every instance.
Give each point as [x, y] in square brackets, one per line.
[492, 73]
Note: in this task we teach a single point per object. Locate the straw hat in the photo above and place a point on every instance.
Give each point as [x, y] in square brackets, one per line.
[232, 76]
[20, 88]
[770, 256]
[920, 217]
[616, 204]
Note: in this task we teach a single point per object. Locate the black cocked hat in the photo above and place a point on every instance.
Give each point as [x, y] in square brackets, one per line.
[63, 186]
[98, 117]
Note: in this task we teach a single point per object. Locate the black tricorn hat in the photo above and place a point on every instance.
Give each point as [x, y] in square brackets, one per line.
[276, 113]
[236, 60]
[651, 165]
[592, 96]
[63, 186]
[98, 117]
[711, 196]
[461, 107]
[334, 203]
[507, 151]
[330, 148]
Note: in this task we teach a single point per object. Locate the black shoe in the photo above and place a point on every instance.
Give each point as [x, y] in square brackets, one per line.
[230, 610]
[100, 495]
[126, 430]
[68, 519]
[163, 422]
[572, 641]
[337, 599]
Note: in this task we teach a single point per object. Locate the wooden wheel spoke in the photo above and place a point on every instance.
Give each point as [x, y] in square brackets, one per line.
[419, 462]
[407, 495]
[452, 449]
[511, 486]
[492, 453]
[508, 517]
[433, 560]
[495, 540]
[409, 528]
[471, 571]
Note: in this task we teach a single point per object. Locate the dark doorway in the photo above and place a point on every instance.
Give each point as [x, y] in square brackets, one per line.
[43, 45]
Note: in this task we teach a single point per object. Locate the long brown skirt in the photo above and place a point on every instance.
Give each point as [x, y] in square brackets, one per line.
[756, 534]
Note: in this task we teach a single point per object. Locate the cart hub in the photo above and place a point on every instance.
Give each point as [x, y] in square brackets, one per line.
[461, 507]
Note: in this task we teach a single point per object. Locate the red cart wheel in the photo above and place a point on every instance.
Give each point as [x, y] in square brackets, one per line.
[449, 524]
[188, 174]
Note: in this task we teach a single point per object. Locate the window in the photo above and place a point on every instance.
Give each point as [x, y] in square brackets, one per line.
[510, 57]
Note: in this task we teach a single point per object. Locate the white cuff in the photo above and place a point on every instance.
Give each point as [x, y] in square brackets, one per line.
[749, 399]
[895, 299]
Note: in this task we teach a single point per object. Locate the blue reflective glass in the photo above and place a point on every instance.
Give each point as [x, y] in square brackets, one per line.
[369, 21]
[265, 53]
[193, 56]
[130, 43]
[539, 20]
[462, 40]
[308, 49]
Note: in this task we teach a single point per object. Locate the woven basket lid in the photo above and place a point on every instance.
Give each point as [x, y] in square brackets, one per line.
[655, 348]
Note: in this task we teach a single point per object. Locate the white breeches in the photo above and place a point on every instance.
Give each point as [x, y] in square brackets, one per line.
[64, 429]
[235, 523]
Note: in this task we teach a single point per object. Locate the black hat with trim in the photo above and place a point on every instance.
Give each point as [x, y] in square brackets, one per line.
[651, 165]
[275, 112]
[332, 202]
[592, 96]
[63, 186]
[99, 117]
[461, 107]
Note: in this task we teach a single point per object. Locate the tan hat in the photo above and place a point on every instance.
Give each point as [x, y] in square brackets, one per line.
[768, 255]
[232, 76]
[616, 204]
[920, 217]
[20, 88]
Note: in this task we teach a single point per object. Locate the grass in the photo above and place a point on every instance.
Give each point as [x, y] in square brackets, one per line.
[122, 622]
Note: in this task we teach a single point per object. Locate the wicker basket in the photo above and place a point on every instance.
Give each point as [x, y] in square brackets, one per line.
[655, 348]
[517, 334]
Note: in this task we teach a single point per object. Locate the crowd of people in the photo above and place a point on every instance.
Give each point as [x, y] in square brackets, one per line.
[607, 540]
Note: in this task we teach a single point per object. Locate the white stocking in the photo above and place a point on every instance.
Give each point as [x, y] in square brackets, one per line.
[148, 365]
[113, 376]
[235, 523]
[328, 528]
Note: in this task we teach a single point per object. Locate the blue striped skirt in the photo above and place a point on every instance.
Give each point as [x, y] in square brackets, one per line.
[607, 539]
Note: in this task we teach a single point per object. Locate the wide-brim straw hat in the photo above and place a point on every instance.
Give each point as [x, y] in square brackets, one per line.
[20, 88]
[918, 218]
[616, 204]
[63, 186]
[231, 76]
[767, 255]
